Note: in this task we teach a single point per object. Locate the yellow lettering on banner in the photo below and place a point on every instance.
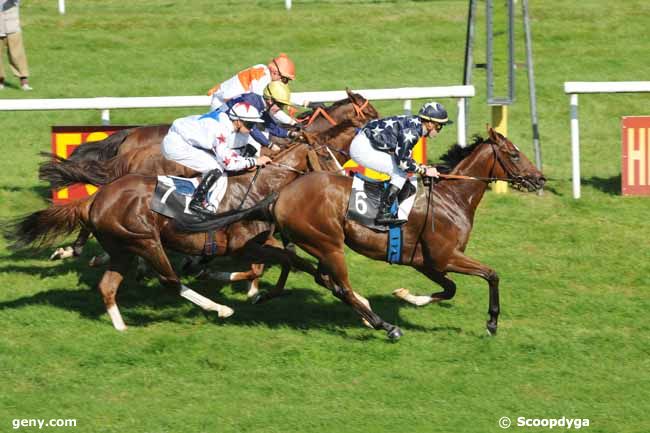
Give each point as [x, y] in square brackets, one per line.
[96, 136]
[636, 155]
[62, 141]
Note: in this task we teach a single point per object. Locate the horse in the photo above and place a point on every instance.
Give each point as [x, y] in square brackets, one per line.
[119, 215]
[138, 151]
[311, 211]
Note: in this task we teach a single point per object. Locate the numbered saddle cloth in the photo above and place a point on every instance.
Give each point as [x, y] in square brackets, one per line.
[366, 195]
[173, 194]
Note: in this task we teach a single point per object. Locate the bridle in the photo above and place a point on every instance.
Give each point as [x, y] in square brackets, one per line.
[320, 111]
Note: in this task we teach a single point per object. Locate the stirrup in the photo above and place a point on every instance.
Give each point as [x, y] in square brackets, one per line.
[390, 221]
[198, 208]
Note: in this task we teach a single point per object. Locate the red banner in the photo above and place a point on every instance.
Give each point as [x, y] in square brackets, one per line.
[635, 171]
[64, 141]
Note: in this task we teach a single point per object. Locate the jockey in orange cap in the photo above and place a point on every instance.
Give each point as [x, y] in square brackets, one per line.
[254, 80]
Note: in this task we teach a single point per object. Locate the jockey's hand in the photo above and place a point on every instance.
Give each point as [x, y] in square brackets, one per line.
[262, 161]
[275, 148]
[431, 172]
[293, 134]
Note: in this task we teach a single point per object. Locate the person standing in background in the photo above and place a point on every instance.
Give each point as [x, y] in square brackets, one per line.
[11, 40]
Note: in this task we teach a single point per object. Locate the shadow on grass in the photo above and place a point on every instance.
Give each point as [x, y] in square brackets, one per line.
[610, 185]
[148, 302]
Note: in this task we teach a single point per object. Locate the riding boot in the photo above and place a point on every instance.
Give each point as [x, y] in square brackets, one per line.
[384, 215]
[199, 198]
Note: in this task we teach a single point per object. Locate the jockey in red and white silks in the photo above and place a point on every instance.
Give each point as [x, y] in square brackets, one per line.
[386, 146]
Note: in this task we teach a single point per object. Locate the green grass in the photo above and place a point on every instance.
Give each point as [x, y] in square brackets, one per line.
[573, 336]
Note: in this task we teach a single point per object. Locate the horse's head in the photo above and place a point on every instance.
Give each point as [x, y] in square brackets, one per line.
[512, 164]
[354, 108]
[363, 108]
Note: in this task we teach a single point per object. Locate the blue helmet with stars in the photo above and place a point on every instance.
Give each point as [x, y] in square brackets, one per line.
[434, 112]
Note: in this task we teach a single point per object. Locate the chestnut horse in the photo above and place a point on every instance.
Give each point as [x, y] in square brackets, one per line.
[311, 211]
[138, 151]
[120, 217]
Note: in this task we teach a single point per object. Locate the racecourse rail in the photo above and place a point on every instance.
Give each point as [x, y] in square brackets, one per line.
[573, 88]
[107, 103]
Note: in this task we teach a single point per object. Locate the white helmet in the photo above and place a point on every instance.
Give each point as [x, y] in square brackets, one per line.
[244, 111]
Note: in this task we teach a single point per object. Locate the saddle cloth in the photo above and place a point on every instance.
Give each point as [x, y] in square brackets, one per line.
[365, 197]
[173, 194]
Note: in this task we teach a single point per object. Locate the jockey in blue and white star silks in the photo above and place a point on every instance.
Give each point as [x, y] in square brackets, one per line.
[386, 146]
[209, 143]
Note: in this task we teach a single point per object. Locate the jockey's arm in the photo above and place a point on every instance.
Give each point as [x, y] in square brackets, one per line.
[231, 160]
[282, 118]
[260, 137]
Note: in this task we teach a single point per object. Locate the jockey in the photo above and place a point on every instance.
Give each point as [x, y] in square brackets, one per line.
[208, 145]
[255, 80]
[386, 145]
[276, 95]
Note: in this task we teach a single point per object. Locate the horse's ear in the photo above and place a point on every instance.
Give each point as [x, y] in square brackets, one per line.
[494, 136]
[349, 92]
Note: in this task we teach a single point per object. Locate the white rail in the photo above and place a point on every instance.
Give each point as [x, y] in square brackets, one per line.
[107, 103]
[573, 88]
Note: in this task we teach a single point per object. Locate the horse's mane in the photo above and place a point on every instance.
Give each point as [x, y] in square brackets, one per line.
[457, 153]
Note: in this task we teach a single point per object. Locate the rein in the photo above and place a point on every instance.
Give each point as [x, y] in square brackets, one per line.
[250, 185]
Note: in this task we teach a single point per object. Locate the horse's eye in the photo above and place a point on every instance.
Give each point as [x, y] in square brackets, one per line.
[514, 157]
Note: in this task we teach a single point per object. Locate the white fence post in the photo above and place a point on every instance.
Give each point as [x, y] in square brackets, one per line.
[460, 127]
[573, 88]
[287, 4]
[106, 117]
[407, 107]
[62, 7]
[575, 146]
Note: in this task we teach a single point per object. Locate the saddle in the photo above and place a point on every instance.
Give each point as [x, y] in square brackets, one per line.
[363, 207]
[172, 197]
[365, 196]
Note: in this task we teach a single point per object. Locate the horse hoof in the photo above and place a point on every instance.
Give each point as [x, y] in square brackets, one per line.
[258, 298]
[225, 312]
[491, 329]
[395, 334]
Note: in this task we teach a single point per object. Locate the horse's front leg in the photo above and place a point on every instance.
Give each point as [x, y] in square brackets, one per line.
[462, 264]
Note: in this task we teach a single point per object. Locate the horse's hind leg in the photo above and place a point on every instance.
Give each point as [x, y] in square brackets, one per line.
[462, 264]
[448, 286]
[75, 249]
[153, 252]
[108, 286]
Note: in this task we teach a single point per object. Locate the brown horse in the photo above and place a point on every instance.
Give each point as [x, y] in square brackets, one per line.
[138, 151]
[120, 217]
[311, 211]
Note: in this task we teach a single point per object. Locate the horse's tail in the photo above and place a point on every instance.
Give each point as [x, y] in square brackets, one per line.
[60, 172]
[101, 150]
[43, 227]
[261, 211]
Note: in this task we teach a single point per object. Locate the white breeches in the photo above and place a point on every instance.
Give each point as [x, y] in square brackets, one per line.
[176, 149]
[362, 152]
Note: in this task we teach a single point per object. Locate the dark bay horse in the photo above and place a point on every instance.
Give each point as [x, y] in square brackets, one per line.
[120, 217]
[311, 211]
